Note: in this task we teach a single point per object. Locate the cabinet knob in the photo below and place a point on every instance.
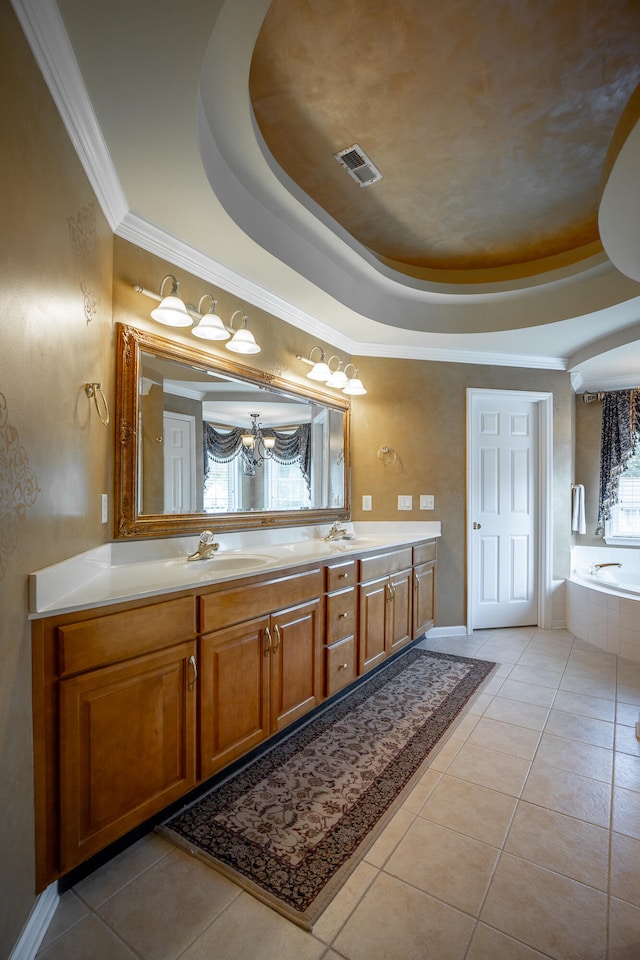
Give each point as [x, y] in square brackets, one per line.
[343, 666]
[344, 616]
[343, 576]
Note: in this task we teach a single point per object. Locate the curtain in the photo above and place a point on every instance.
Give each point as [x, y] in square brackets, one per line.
[620, 422]
[290, 446]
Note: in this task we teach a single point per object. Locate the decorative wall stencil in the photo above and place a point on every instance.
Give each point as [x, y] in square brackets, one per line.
[18, 485]
[84, 242]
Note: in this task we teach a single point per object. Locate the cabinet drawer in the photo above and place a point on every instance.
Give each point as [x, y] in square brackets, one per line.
[340, 575]
[341, 614]
[424, 552]
[226, 607]
[341, 664]
[119, 636]
[383, 563]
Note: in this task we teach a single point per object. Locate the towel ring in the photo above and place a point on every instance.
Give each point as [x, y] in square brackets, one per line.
[95, 390]
[387, 455]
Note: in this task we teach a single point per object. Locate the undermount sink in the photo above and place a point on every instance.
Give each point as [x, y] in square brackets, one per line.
[229, 564]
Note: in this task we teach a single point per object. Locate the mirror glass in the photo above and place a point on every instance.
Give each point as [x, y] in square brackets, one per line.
[208, 442]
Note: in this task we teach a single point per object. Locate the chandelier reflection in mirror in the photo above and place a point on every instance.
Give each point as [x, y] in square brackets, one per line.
[256, 446]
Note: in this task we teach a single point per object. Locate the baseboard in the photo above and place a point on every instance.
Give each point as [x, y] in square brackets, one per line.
[436, 632]
[560, 623]
[37, 924]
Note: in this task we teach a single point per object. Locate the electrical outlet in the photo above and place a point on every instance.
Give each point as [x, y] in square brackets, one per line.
[104, 507]
[405, 503]
[367, 503]
[427, 502]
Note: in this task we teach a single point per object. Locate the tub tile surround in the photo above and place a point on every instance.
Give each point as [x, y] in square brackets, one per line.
[606, 619]
[129, 570]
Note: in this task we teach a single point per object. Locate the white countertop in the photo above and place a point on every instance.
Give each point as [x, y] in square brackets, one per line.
[132, 570]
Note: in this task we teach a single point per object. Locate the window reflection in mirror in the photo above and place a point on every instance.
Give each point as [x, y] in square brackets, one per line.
[221, 441]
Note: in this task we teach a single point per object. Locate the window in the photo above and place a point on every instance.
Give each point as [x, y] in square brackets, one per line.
[625, 514]
[222, 486]
[285, 486]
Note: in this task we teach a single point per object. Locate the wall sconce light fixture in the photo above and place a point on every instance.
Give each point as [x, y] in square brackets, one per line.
[338, 377]
[174, 312]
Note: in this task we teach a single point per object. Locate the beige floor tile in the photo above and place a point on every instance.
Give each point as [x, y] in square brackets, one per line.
[414, 802]
[498, 771]
[627, 714]
[88, 940]
[480, 704]
[624, 931]
[626, 740]
[548, 912]
[444, 756]
[543, 678]
[342, 905]
[569, 793]
[394, 920]
[584, 706]
[577, 727]
[574, 848]
[389, 839]
[508, 738]
[576, 757]
[249, 930]
[626, 771]
[464, 727]
[70, 910]
[490, 944]
[625, 876]
[555, 662]
[470, 809]
[162, 911]
[445, 864]
[520, 714]
[628, 694]
[626, 812]
[498, 654]
[124, 868]
[589, 686]
[528, 693]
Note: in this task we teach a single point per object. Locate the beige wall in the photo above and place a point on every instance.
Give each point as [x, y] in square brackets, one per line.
[57, 262]
[55, 455]
[419, 409]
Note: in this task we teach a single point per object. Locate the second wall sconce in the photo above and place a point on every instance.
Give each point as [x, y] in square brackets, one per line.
[338, 378]
[172, 311]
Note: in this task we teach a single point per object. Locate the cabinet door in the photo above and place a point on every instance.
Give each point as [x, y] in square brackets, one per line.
[296, 662]
[234, 693]
[399, 626]
[127, 747]
[371, 623]
[423, 598]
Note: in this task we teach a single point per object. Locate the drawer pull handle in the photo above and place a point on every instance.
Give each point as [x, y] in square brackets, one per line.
[343, 576]
[344, 616]
[276, 630]
[343, 666]
[194, 667]
[267, 634]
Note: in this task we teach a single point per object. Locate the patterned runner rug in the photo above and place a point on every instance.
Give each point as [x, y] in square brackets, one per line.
[293, 824]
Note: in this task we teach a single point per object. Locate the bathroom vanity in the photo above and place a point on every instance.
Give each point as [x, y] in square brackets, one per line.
[150, 679]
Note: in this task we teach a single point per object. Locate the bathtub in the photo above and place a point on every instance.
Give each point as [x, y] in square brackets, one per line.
[603, 608]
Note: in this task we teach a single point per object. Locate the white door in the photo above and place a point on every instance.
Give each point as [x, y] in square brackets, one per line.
[179, 463]
[503, 510]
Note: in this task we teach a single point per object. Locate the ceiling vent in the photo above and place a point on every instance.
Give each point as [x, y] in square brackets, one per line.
[358, 165]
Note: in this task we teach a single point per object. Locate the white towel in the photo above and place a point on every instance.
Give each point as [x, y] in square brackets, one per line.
[578, 523]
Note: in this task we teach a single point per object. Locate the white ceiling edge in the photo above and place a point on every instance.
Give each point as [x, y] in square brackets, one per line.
[46, 34]
[619, 212]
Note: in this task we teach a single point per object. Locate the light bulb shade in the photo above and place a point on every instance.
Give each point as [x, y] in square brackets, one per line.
[248, 440]
[354, 388]
[269, 442]
[243, 342]
[320, 371]
[211, 327]
[172, 312]
[338, 379]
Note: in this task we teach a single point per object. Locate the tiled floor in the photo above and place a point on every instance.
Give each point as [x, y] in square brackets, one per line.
[521, 841]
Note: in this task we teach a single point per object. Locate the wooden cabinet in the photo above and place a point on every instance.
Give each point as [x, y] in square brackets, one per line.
[126, 723]
[385, 606]
[341, 665]
[260, 675]
[424, 576]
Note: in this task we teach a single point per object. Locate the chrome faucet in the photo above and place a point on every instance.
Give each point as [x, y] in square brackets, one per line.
[336, 533]
[206, 547]
[594, 567]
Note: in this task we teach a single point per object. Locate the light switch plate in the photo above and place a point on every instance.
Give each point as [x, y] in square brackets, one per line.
[405, 503]
[104, 507]
[427, 502]
[366, 502]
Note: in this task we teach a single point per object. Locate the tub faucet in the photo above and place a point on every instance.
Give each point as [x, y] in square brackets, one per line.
[336, 533]
[206, 547]
[599, 566]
